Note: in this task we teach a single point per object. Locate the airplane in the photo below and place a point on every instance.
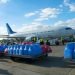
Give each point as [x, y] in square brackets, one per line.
[41, 33]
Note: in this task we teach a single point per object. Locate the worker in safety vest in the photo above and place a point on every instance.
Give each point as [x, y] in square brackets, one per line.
[62, 40]
[41, 41]
[47, 42]
[34, 39]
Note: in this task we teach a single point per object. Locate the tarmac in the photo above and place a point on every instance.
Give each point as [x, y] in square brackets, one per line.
[53, 65]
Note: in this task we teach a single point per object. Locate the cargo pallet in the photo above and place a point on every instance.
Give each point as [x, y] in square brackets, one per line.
[36, 52]
[69, 52]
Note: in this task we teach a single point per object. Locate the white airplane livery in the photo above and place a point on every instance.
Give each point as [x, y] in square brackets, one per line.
[57, 32]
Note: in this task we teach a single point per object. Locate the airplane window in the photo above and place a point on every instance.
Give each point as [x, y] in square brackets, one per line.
[68, 28]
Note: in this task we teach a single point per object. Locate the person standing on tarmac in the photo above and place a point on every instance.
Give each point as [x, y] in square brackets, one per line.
[41, 42]
[34, 39]
[62, 40]
[47, 42]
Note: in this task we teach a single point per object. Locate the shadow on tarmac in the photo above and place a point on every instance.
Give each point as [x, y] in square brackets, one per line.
[4, 72]
[48, 62]
[3, 59]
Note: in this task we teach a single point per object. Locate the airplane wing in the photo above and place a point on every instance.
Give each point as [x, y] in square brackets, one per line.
[4, 36]
[27, 37]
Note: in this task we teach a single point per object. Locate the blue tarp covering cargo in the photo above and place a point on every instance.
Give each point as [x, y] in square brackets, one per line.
[2, 48]
[69, 51]
[32, 50]
[28, 50]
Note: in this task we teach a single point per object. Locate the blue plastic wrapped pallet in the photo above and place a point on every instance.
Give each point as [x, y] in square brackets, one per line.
[73, 56]
[2, 48]
[10, 50]
[17, 49]
[69, 51]
[21, 49]
[28, 49]
[34, 50]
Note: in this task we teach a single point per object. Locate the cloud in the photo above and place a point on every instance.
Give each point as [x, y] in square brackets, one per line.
[69, 23]
[66, 2]
[4, 1]
[60, 5]
[70, 5]
[46, 13]
[31, 14]
[30, 27]
[3, 31]
[40, 26]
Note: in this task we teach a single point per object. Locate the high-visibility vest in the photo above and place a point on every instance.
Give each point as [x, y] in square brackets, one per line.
[41, 40]
[62, 38]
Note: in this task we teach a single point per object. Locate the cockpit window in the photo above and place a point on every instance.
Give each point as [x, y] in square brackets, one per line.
[68, 28]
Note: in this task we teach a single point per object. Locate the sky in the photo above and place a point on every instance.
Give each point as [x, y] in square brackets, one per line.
[21, 14]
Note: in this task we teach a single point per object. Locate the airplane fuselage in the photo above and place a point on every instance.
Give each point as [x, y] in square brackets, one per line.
[42, 32]
[47, 33]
